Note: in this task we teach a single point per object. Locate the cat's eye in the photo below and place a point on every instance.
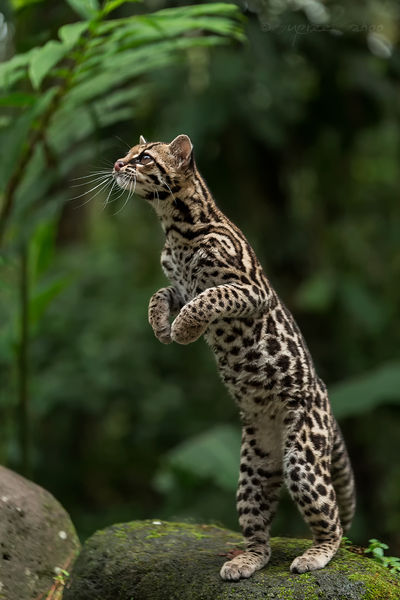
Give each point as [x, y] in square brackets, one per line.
[145, 159]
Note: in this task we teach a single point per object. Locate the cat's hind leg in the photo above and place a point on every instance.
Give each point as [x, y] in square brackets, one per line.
[259, 483]
[307, 456]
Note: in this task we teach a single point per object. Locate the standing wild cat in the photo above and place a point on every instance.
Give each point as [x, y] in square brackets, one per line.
[220, 290]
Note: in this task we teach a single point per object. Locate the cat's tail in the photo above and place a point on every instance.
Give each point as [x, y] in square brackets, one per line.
[343, 479]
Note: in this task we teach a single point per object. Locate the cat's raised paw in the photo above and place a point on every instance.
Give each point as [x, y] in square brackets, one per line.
[164, 338]
[163, 334]
[183, 332]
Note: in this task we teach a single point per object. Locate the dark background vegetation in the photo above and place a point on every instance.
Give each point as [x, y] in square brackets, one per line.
[295, 124]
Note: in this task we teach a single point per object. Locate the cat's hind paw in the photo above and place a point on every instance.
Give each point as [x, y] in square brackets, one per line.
[242, 566]
[303, 564]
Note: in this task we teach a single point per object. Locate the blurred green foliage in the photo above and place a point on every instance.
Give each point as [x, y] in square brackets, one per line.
[377, 551]
[297, 133]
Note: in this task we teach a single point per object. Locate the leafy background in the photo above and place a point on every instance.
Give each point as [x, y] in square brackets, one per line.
[293, 110]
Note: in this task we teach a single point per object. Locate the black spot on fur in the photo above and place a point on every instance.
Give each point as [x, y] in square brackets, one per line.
[283, 363]
[310, 456]
[273, 346]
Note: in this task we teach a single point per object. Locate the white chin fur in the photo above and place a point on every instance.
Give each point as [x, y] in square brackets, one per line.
[123, 182]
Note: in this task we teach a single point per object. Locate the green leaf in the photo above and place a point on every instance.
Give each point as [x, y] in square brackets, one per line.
[44, 59]
[18, 4]
[139, 44]
[41, 249]
[361, 394]
[215, 8]
[42, 211]
[42, 299]
[121, 97]
[85, 8]
[72, 126]
[13, 139]
[70, 34]
[132, 63]
[34, 184]
[113, 4]
[17, 99]
[14, 69]
[214, 455]
[51, 53]
[165, 24]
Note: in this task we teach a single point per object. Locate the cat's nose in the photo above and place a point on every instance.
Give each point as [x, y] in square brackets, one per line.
[118, 165]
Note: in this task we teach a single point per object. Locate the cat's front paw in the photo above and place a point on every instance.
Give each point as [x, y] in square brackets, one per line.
[158, 319]
[163, 334]
[185, 331]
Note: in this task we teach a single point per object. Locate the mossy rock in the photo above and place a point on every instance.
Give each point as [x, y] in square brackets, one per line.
[153, 560]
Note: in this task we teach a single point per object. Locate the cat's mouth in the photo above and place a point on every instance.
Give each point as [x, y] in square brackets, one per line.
[124, 180]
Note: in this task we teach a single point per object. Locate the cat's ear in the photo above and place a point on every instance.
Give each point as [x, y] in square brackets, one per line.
[142, 140]
[182, 148]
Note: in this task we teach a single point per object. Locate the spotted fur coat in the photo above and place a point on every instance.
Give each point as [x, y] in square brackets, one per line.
[219, 290]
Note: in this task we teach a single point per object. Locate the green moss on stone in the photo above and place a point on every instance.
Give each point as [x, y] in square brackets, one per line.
[176, 561]
[167, 528]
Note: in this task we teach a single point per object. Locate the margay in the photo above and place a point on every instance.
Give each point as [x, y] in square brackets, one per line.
[219, 290]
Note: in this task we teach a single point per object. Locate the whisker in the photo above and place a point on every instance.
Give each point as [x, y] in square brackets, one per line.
[122, 192]
[118, 197]
[132, 183]
[107, 164]
[123, 141]
[99, 164]
[104, 187]
[122, 207]
[92, 189]
[97, 178]
[130, 189]
[103, 172]
[109, 194]
[130, 194]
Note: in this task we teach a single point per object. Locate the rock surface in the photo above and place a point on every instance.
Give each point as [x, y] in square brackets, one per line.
[153, 560]
[36, 537]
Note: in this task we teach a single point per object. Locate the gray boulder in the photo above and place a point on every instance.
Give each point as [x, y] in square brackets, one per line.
[153, 560]
[37, 539]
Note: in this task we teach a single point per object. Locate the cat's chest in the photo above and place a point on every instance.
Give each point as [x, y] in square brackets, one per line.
[181, 265]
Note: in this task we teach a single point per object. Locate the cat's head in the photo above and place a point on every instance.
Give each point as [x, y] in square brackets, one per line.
[152, 170]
